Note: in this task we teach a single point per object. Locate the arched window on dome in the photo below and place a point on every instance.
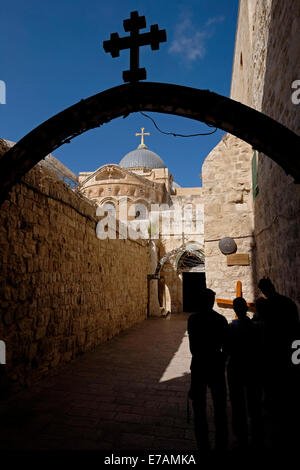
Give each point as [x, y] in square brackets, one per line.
[108, 208]
[141, 211]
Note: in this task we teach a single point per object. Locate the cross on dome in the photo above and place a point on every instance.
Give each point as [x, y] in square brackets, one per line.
[142, 145]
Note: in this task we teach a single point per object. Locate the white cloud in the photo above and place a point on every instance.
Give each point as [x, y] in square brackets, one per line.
[215, 20]
[190, 42]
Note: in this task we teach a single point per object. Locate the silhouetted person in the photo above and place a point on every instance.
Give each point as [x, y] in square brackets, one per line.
[282, 312]
[207, 331]
[281, 327]
[244, 380]
[281, 324]
[258, 320]
[261, 306]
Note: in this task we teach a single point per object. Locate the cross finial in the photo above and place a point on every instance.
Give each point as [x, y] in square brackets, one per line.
[134, 42]
[142, 145]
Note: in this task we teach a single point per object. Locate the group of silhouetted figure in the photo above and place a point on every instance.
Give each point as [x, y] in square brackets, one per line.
[255, 356]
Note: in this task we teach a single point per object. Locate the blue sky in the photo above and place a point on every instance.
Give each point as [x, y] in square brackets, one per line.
[51, 56]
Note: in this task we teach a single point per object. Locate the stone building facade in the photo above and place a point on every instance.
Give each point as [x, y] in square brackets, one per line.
[266, 66]
[228, 212]
[222, 207]
[141, 189]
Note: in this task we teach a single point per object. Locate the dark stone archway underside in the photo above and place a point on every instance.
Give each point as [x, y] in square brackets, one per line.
[260, 131]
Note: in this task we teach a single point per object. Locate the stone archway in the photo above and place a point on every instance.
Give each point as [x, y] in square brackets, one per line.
[166, 294]
[260, 131]
[190, 259]
[184, 249]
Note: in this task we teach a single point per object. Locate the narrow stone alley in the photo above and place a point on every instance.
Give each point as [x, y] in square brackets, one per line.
[129, 393]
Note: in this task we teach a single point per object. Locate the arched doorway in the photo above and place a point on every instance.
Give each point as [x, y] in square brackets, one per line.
[191, 267]
[181, 276]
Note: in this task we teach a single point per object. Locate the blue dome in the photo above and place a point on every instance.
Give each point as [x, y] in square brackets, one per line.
[142, 158]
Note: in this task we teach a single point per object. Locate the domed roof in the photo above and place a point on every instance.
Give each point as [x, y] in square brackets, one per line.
[142, 157]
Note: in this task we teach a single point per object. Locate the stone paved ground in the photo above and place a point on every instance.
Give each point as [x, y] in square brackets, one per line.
[130, 393]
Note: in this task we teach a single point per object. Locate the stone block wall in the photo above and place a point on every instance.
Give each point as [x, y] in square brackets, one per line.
[62, 290]
[277, 207]
[228, 212]
[273, 60]
[251, 40]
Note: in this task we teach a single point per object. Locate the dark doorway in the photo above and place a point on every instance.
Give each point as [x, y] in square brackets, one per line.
[192, 285]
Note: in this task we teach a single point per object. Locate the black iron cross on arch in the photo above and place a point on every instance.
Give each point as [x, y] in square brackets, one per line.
[134, 42]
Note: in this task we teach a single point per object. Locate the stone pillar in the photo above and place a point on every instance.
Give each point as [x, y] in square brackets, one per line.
[154, 307]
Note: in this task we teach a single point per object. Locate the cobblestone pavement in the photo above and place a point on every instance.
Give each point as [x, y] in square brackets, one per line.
[129, 393]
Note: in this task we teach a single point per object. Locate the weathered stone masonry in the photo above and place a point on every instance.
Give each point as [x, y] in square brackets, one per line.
[262, 78]
[62, 290]
[228, 212]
